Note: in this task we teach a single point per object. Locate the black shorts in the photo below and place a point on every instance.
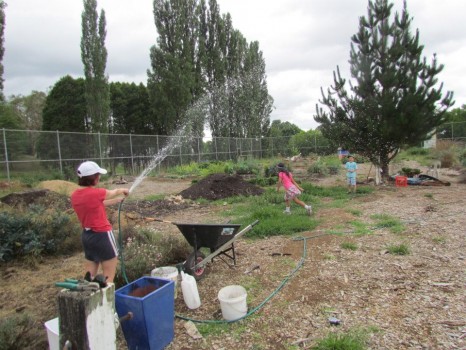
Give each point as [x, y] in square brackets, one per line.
[99, 246]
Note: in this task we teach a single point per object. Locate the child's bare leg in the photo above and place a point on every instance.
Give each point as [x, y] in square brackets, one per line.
[91, 267]
[299, 202]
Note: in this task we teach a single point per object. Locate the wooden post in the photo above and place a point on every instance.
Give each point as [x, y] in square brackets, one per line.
[87, 319]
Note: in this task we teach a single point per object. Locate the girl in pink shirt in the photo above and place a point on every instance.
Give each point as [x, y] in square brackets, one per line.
[292, 189]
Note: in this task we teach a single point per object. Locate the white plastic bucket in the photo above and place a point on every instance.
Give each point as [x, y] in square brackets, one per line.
[52, 334]
[233, 302]
[167, 272]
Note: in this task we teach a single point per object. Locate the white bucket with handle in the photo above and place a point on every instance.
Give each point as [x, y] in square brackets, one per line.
[233, 302]
[167, 272]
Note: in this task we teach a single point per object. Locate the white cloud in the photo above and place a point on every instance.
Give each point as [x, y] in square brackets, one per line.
[303, 41]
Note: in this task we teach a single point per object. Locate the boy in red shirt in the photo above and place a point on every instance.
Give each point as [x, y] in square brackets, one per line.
[89, 203]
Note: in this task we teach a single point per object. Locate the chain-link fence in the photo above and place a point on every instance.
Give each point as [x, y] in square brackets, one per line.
[26, 151]
[33, 151]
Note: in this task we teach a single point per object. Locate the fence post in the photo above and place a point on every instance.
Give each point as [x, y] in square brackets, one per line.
[198, 150]
[100, 150]
[6, 156]
[131, 151]
[181, 144]
[157, 142]
[216, 154]
[252, 152]
[59, 152]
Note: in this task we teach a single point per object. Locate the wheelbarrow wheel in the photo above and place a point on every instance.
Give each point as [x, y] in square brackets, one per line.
[191, 261]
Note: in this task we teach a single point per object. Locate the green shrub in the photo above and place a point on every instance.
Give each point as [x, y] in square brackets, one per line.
[15, 332]
[146, 249]
[264, 181]
[328, 165]
[417, 151]
[37, 231]
[318, 168]
[410, 172]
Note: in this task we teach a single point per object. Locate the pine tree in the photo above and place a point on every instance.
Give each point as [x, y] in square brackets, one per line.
[94, 58]
[394, 100]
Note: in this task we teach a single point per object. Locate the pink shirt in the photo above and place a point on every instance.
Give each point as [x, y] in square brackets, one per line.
[286, 179]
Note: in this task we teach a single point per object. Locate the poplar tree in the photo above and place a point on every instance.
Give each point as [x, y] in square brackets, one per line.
[2, 46]
[201, 61]
[394, 100]
[173, 81]
[94, 58]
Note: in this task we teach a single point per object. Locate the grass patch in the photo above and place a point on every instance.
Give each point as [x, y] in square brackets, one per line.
[353, 340]
[387, 221]
[212, 329]
[429, 195]
[268, 209]
[439, 240]
[154, 197]
[360, 228]
[355, 212]
[401, 249]
[349, 246]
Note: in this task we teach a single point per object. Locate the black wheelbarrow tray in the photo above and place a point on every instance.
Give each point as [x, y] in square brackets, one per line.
[219, 238]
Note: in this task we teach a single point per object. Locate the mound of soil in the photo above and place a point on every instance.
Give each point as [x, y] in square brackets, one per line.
[62, 187]
[148, 208]
[219, 186]
[43, 197]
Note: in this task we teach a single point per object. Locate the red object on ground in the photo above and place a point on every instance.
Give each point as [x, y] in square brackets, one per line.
[401, 181]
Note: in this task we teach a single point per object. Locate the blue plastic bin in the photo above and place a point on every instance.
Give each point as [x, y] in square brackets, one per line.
[153, 324]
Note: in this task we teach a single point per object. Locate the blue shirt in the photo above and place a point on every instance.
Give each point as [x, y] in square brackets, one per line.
[351, 166]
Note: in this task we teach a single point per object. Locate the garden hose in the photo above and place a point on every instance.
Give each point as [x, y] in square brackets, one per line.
[280, 286]
[120, 243]
[252, 311]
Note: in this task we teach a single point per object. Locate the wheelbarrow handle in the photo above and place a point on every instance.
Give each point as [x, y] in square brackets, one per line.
[223, 246]
[160, 220]
[254, 223]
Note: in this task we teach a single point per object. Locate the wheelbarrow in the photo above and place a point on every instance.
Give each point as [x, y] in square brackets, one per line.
[219, 238]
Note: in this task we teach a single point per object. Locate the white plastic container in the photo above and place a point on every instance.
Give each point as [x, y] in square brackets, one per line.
[190, 292]
[52, 333]
[233, 302]
[167, 272]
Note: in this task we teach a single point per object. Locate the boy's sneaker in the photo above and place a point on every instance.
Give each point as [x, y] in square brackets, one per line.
[287, 212]
[309, 210]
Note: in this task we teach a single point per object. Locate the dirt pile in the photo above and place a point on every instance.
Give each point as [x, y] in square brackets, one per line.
[219, 186]
[42, 197]
[65, 188]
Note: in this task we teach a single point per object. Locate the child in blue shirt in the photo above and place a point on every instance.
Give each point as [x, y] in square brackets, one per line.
[351, 168]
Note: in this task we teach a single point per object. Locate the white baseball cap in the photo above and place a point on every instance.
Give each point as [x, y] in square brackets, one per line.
[90, 168]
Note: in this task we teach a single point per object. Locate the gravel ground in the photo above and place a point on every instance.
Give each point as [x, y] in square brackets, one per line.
[414, 301]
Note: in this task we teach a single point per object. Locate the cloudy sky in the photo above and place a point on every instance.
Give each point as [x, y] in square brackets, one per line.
[302, 41]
